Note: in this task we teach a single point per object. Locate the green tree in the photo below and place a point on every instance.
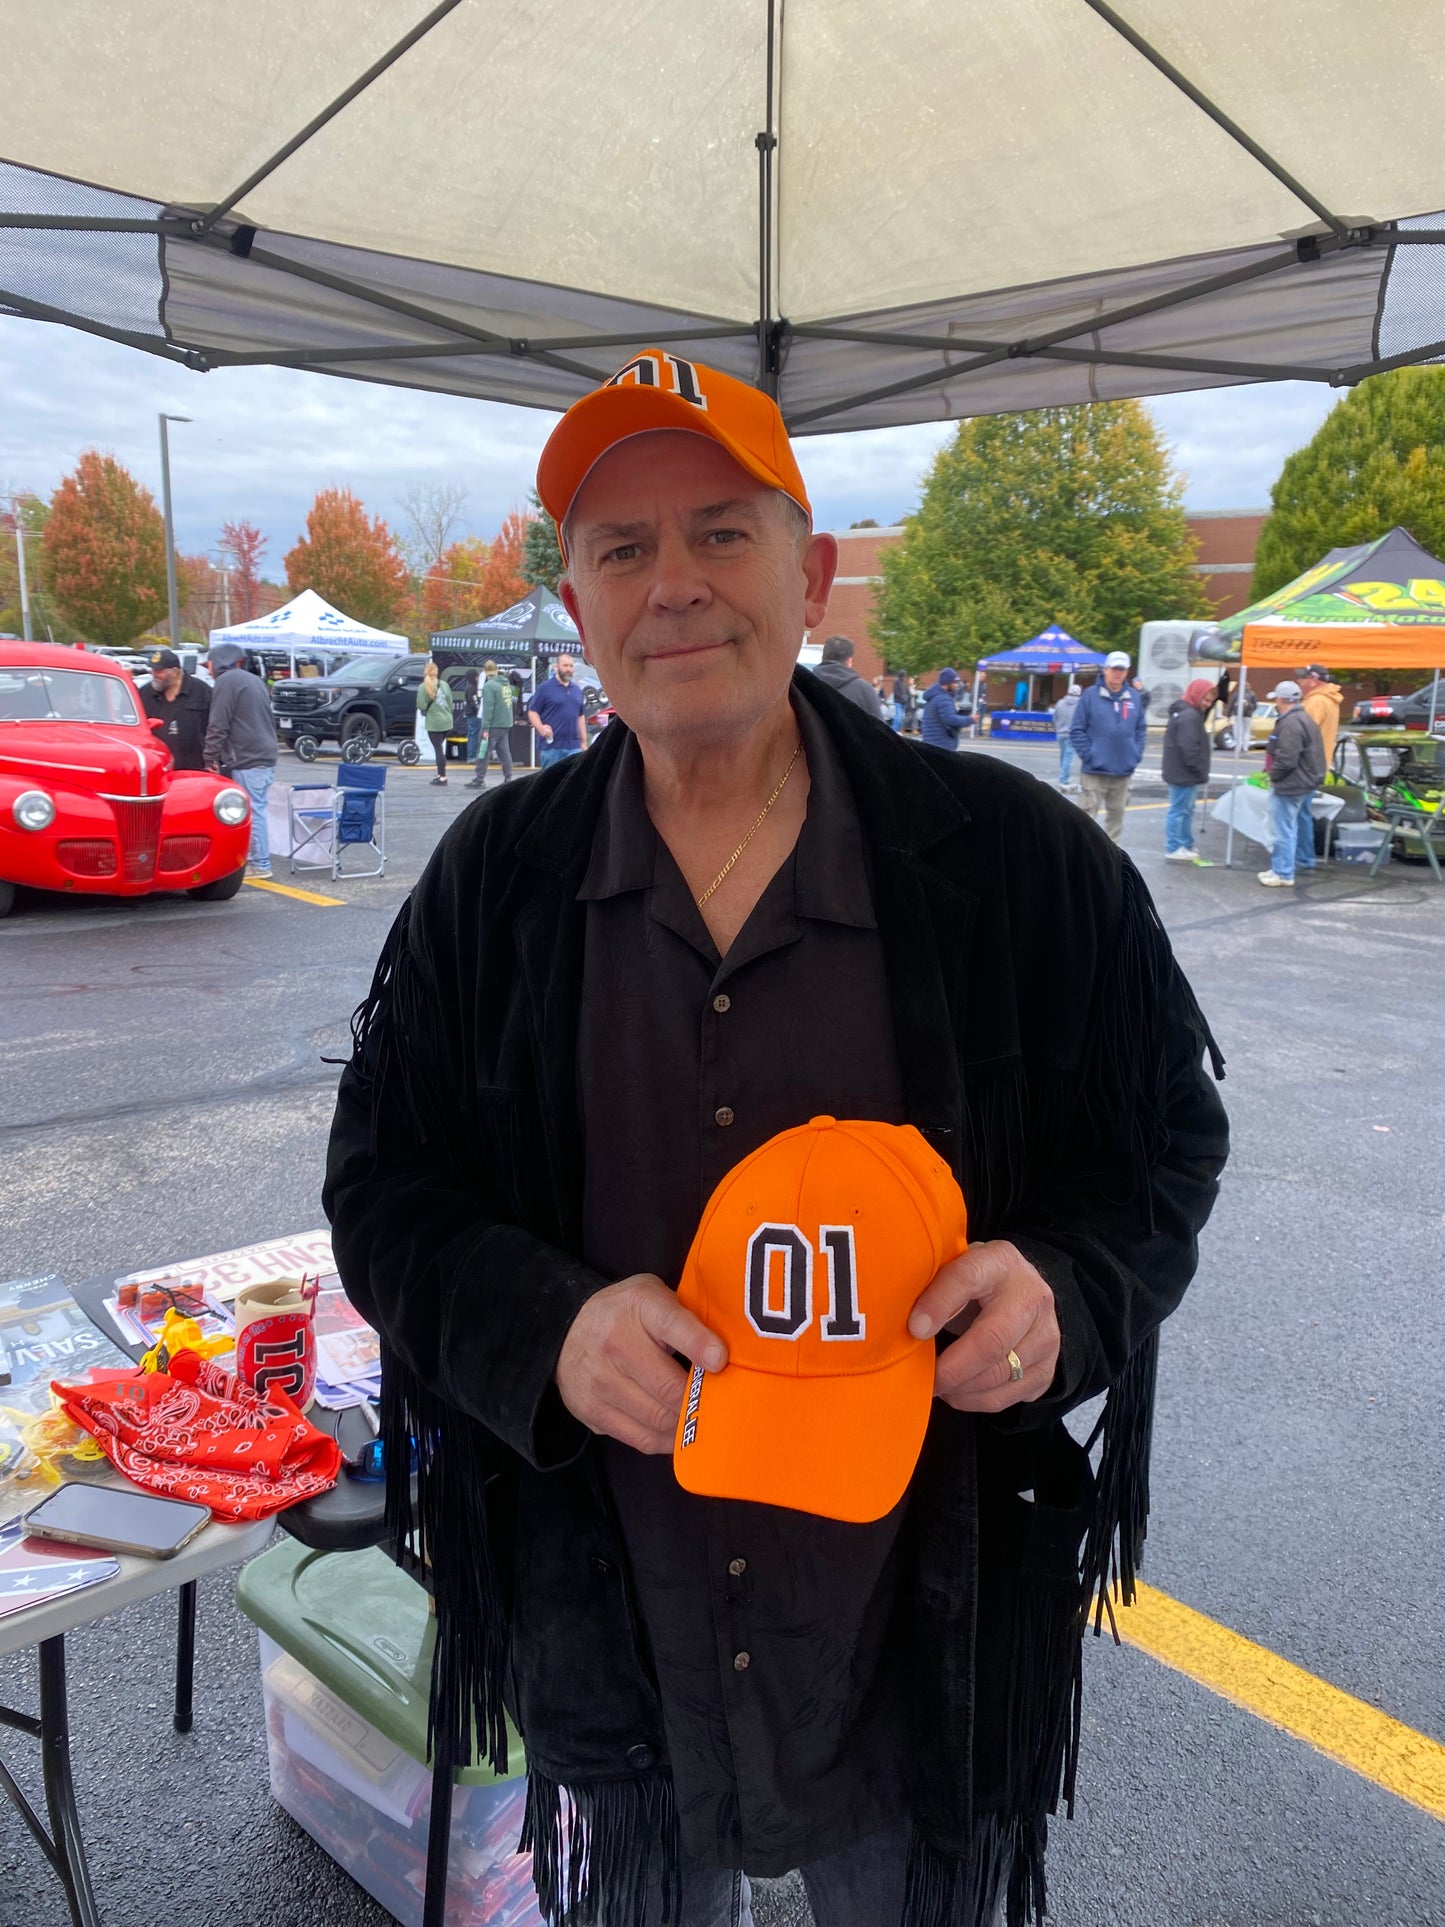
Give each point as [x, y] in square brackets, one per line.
[104, 552]
[1063, 514]
[1375, 461]
[541, 551]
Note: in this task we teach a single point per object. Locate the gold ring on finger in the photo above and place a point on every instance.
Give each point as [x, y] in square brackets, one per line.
[1015, 1368]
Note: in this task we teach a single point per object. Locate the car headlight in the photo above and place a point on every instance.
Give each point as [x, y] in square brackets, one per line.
[34, 810]
[231, 806]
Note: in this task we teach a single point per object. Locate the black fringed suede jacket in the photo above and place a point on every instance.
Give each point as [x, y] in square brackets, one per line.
[1076, 1114]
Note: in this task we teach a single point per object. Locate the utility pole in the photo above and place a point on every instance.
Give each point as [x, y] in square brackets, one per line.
[172, 599]
[20, 557]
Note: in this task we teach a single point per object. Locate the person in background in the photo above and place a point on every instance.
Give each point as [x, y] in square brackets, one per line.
[1021, 692]
[556, 713]
[496, 719]
[182, 703]
[1108, 738]
[1063, 722]
[241, 742]
[1322, 700]
[472, 710]
[435, 707]
[943, 721]
[836, 669]
[1186, 767]
[1295, 759]
[902, 699]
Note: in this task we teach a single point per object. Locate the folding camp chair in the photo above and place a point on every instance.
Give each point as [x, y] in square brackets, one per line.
[327, 821]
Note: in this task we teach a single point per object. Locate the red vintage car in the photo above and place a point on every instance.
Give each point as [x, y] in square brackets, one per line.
[90, 801]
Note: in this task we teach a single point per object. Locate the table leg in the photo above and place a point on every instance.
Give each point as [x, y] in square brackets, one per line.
[59, 1787]
[185, 1654]
[439, 1834]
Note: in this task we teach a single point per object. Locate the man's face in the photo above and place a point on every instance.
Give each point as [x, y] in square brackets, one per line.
[690, 587]
[1114, 680]
[1308, 682]
[565, 666]
[167, 681]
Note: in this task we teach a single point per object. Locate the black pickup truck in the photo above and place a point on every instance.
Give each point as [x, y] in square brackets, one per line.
[368, 701]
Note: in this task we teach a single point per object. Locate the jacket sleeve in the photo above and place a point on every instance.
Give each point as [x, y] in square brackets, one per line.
[1141, 722]
[218, 723]
[1079, 729]
[473, 1305]
[1118, 1253]
[866, 697]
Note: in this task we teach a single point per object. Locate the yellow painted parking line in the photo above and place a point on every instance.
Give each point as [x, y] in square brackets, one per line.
[1396, 1757]
[301, 896]
[1146, 806]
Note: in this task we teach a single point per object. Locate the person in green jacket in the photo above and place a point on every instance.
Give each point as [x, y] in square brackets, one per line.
[496, 721]
[434, 704]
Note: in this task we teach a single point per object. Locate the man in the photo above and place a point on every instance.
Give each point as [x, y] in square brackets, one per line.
[555, 712]
[1184, 767]
[602, 997]
[1063, 722]
[1295, 759]
[943, 721]
[1108, 738]
[241, 742]
[836, 669]
[902, 699]
[182, 703]
[1322, 700]
[496, 721]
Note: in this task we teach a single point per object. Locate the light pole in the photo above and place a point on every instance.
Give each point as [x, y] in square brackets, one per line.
[18, 513]
[172, 600]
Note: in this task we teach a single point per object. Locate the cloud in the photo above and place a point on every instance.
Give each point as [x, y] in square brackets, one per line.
[262, 441]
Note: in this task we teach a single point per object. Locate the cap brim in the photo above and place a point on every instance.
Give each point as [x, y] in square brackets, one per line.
[611, 415]
[841, 1448]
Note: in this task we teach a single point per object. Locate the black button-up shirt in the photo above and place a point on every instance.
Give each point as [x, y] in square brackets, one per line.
[769, 1629]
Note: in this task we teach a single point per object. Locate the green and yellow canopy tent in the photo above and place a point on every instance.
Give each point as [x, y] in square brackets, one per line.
[1380, 605]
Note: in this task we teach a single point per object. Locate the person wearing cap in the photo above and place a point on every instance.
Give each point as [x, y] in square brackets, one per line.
[1185, 767]
[1063, 723]
[1108, 737]
[1322, 700]
[557, 713]
[496, 723]
[717, 1045]
[943, 722]
[836, 669]
[182, 704]
[1295, 759]
[241, 741]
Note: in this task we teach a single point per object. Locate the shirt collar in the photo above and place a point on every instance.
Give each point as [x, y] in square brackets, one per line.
[831, 877]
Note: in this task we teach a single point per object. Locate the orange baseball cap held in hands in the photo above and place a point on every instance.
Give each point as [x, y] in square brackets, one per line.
[656, 389]
[809, 1258]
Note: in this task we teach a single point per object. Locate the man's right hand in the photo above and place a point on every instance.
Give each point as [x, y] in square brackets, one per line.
[616, 1371]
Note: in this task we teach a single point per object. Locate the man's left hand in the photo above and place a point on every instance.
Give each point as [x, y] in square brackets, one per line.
[993, 1297]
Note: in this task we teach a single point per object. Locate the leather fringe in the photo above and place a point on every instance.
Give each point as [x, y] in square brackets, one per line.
[1114, 1547]
[597, 1846]
[948, 1890]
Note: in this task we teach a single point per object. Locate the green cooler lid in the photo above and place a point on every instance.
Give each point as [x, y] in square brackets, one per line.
[365, 1629]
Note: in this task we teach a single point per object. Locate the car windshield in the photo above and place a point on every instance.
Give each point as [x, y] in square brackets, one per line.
[65, 695]
[365, 672]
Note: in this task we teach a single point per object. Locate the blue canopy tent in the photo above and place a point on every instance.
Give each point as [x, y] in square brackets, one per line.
[1050, 653]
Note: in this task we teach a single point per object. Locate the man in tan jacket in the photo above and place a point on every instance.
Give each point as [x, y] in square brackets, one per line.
[1322, 699]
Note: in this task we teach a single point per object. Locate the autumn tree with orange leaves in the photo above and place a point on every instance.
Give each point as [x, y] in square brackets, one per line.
[243, 543]
[105, 552]
[453, 590]
[350, 558]
[505, 580]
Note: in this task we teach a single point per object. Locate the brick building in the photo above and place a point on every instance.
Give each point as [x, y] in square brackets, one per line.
[1226, 538]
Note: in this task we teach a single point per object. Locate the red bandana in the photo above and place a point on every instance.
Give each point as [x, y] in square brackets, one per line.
[198, 1433]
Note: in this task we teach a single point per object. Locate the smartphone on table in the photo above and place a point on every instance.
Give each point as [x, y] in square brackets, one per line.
[118, 1519]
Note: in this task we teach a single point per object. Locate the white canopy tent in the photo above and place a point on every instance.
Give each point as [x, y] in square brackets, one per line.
[308, 621]
[882, 214]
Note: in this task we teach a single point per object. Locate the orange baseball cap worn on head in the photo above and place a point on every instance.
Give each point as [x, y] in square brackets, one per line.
[656, 389]
[809, 1258]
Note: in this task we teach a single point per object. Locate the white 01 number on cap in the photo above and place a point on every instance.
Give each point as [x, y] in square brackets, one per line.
[778, 1289]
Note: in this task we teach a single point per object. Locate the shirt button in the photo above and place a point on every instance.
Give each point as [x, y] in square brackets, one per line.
[741, 1662]
[722, 1003]
[737, 1567]
[723, 1114]
[640, 1758]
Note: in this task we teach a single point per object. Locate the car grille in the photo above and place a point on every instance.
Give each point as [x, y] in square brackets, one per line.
[294, 701]
[87, 856]
[138, 819]
[184, 852]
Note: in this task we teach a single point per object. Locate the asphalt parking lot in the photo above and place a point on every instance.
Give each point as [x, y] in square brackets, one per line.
[166, 1094]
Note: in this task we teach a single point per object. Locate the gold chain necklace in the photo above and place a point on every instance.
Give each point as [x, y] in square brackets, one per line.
[723, 872]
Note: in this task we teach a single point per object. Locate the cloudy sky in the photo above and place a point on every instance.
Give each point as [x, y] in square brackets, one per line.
[262, 441]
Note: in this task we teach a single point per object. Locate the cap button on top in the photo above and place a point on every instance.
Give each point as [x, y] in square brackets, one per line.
[723, 1114]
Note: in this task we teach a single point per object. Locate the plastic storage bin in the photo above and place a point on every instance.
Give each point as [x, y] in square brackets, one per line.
[346, 1646]
[1358, 842]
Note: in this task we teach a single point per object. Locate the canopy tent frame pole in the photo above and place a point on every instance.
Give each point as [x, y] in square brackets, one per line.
[1238, 757]
[766, 142]
[1434, 703]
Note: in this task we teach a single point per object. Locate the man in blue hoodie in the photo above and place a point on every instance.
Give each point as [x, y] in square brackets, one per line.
[942, 718]
[1108, 738]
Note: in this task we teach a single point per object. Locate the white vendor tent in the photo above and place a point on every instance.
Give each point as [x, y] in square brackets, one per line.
[882, 214]
[310, 622]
